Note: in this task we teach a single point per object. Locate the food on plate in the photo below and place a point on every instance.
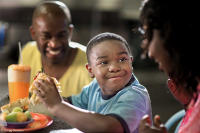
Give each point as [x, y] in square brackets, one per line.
[21, 117]
[17, 109]
[11, 117]
[17, 114]
[3, 116]
[28, 114]
[34, 98]
[20, 103]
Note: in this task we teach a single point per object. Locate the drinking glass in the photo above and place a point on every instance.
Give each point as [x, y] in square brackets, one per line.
[18, 81]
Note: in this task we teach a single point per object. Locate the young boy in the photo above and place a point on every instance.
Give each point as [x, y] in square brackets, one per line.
[113, 102]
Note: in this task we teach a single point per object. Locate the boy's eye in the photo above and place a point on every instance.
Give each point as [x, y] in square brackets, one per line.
[122, 59]
[104, 62]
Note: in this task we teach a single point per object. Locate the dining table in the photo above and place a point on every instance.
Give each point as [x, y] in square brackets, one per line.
[56, 125]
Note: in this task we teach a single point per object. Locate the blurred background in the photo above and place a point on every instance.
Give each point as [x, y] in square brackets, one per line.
[89, 17]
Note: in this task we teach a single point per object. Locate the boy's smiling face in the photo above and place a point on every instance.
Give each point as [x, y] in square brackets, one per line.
[111, 65]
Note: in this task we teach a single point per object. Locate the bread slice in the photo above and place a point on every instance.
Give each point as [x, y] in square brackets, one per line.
[23, 103]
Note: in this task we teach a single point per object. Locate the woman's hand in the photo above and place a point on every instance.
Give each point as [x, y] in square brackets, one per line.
[145, 125]
[48, 93]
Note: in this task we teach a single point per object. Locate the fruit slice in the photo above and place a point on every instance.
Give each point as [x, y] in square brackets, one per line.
[17, 109]
[3, 116]
[11, 117]
[28, 114]
[21, 117]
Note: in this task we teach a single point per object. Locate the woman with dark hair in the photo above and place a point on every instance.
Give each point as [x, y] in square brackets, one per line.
[170, 39]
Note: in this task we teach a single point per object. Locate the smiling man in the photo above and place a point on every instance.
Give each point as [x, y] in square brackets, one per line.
[52, 50]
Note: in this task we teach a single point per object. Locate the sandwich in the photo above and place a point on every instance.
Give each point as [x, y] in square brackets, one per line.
[33, 104]
[41, 75]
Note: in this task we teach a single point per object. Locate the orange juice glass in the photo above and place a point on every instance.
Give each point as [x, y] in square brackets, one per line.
[18, 81]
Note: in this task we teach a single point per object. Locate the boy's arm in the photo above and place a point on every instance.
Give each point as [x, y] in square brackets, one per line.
[67, 99]
[84, 120]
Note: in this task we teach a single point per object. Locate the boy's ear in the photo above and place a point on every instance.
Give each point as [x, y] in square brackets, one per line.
[89, 68]
[132, 58]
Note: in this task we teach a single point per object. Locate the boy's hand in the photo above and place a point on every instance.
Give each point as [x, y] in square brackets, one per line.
[145, 125]
[48, 93]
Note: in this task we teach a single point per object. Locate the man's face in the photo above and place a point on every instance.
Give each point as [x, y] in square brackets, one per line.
[52, 35]
[111, 65]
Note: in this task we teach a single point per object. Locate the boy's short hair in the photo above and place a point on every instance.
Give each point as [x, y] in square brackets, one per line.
[104, 37]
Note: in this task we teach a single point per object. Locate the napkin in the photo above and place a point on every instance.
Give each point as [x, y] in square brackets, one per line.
[73, 130]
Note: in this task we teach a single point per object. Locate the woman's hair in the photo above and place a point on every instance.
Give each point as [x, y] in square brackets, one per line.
[177, 22]
[104, 37]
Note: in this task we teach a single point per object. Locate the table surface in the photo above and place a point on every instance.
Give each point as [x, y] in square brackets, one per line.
[56, 125]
